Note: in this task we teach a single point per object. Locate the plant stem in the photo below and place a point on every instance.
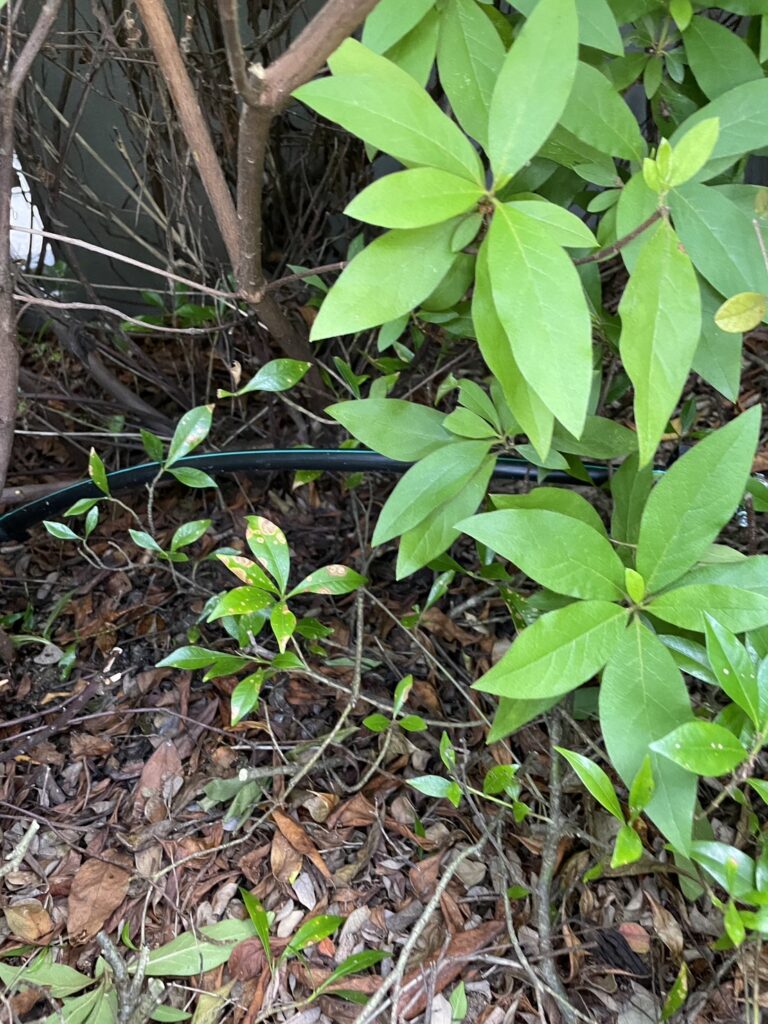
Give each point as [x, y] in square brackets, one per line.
[612, 250]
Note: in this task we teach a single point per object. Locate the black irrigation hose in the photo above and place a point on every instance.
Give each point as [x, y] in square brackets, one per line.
[15, 525]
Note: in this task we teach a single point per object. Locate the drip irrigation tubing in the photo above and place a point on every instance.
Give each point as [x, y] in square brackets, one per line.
[15, 525]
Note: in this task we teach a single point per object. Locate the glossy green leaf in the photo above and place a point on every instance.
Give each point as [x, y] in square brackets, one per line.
[687, 606]
[352, 965]
[690, 657]
[549, 330]
[435, 534]
[736, 672]
[743, 115]
[559, 552]
[311, 932]
[97, 471]
[597, 24]
[331, 579]
[240, 601]
[431, 482]
[412, 723]
[686, 510]
[718, 357]
[377, 722]
[269, 547]
[719, 58]
[677, 995]
[381, 104]
[701, 747]
[512, 714]
[601, 439]
[556, 499]
[597, 115]
[643, 787]
[59, 530]
[465, 423]
[469, 56]
[99, 1006]
[276, 375]
[400, 430]
[191, 430]
[245, 695]
[259, 919]
[627, 847]
[190, 657]
[501, 779]
[247, 571]
[742, 312]
[731, 868]
[438, 787]
[560, 651]
[400, 696]
[415, 52]
[566, 228]
[415, 198]
[642, 697]
[191, 954]
[528, 409]
[394, 274]
[532, 87]
[144, 540]
[188, 533]
[190, 477]
[390, 20]
[719, 236]
[283, 623]
[595, 780]
[692, 151]
[81, 506]
[636, 204]
[630, 487]
[660, 325]
[59, 979]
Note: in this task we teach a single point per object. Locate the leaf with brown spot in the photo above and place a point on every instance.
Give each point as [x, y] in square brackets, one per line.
[98, 889]
[299, 840]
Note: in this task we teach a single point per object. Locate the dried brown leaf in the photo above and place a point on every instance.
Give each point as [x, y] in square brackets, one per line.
[29, 921]
[98, 889]
[299, 840]
[667, 928]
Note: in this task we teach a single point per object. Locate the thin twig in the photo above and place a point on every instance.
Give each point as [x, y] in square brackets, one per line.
[13, 863]
[621, 243]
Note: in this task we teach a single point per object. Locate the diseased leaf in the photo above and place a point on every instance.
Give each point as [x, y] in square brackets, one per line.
[660, 326]
[742, 312]
[559, 552]
[532, 87]
[331, 579]
[269, 547]
[549, 330]
[642, 696]
[560, 651]
[393, 274]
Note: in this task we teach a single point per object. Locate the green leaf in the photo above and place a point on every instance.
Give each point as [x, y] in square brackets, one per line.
[191, 430]
[458, 1003]
[642, 788]
[630, 488]
[190, 954]
[702, 747]
[99, 1006]
[469, 56]
[377, 722]
[549, 330]
[565, 227]
[743, 115]
[59, 530]
[412, 723]
[311, 932]
[145, 540]
[687, 606]
[692, 151]
[59, 979]
[189, 658]
[720, 238]
[97, 472]
[532, 87]
[283, 623]
[437, 532]
[660, 325]
[597, 115]
[397, 429]
[270, 548]
[734, 670]
[192, 477]
[642, 696]
[719, 59]
[627, 848]
[718, 357]
[415, 52]
[331, 579]
[731, 868]
[682, 12]
[245, 695]
[352, 965]
[595, 780]
[438, 787]
[684, 512]
[81, 506]
[259, 919]
[513, 714]
[247, 571]
[276, 375]
[465, 423]
[733, 924]
[559, 552]
[390, 20]
[677, 995]
[415, 198]
[597, 24]
[742, 312]
[560, 651]
[431, 482]
[502, 778]
[188, 533]
[400, 696]
[394, 273]
[555, 499]
[527, 408]
[381, 104]
[240, 601]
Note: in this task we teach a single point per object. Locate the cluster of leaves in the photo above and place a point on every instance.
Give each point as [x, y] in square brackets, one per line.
[481, 236]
